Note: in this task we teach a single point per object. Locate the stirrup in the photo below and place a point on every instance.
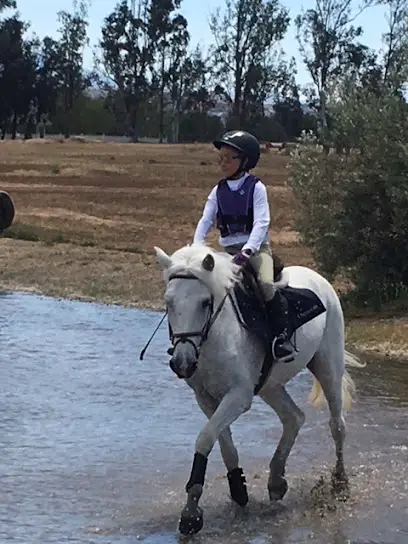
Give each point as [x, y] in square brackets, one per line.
[285, 358]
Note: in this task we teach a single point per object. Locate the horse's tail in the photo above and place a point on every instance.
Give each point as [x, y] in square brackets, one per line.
[317, 397]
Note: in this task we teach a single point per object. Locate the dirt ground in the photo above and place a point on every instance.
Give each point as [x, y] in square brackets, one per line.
[89, 213]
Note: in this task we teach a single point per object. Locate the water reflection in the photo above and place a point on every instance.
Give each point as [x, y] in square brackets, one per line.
[96, 445]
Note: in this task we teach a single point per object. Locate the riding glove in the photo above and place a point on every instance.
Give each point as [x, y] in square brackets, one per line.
[242, 258]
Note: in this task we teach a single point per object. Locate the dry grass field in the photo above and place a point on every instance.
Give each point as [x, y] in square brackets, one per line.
[89, 213]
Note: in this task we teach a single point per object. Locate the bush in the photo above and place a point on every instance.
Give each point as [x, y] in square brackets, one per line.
[353, 202]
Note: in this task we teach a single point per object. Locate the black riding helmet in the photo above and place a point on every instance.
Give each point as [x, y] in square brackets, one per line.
[245, 143]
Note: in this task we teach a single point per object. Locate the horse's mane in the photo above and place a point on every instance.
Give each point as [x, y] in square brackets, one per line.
[189, 260]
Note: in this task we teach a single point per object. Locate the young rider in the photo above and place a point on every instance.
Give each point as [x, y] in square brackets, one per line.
[239, 207]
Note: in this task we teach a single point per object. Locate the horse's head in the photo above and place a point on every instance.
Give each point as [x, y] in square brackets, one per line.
[190, 304]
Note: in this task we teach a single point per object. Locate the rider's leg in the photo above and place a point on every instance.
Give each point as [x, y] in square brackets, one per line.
[276, 303]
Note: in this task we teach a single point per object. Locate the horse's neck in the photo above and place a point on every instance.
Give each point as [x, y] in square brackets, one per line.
[227, 326]
[228, 336]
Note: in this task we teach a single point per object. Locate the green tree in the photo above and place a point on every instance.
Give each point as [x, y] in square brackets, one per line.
[247, 60]
[91, 116]
[7, 4]
[395, 41]
[198, 83]
[195, 99]
[264, 83]
[50, 82]
[190, 84]
[176, 74]
[289, 114]
[73, 38]
[328, 44]
[17, 73]
[126, 58]
[353, 208]
[169, 34]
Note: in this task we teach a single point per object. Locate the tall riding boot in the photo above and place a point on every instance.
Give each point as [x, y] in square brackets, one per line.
[278, 314]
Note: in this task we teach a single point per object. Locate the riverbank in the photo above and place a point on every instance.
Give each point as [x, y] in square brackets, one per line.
[89, 214]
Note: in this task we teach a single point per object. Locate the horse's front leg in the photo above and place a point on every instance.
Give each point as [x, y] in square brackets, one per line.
[229, 452]
[235, 403]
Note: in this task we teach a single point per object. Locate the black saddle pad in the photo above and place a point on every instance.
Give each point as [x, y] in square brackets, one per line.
[303, 306]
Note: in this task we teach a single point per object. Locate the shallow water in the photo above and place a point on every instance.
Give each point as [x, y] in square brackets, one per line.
[96, 446]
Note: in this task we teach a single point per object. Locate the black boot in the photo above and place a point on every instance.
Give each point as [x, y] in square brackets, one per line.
[277, 310]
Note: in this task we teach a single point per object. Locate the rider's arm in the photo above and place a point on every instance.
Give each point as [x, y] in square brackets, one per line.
[261, 218]
[207, 219]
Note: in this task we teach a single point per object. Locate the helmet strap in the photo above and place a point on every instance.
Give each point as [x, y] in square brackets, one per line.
[241, 168]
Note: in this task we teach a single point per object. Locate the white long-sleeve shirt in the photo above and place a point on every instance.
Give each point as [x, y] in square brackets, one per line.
[259, 232]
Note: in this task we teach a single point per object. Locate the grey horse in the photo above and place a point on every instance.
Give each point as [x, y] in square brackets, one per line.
[221, 361]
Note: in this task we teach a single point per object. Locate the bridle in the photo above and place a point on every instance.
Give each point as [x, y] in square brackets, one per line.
[202, 335]
[186, 337]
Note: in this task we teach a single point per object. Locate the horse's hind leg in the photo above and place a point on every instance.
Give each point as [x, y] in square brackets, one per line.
[330, 376]
[229, 452]
[292, 419]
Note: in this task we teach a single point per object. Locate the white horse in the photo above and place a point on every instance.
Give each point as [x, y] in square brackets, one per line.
[221, 361]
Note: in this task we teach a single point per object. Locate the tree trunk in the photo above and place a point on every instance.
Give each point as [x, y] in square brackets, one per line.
[134, 137]
[29, 130]
[14, 127]
[133, 129]
[161, 113]
[323, 122]
[67, 132]
[69, 105]
[175, 129]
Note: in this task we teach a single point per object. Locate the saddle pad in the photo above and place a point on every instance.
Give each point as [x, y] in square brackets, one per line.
[303, 306]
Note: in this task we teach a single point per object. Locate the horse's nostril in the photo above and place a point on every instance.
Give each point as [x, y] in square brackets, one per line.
[176, 369]
[191, 369]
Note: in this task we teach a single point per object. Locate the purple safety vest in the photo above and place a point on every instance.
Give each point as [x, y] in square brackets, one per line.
[236, 208]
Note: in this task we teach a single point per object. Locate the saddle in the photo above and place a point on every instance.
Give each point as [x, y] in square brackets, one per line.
[303, 306]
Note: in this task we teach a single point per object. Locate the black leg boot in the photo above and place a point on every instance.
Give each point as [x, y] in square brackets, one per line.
[278, 316]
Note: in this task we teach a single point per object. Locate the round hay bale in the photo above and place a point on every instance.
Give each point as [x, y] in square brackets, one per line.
[7, 210]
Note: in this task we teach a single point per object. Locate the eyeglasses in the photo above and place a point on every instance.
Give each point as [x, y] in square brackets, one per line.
[225, 158]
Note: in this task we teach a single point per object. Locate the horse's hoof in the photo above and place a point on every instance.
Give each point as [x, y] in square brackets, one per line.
[277, 490]
[340, 487]
[190, 522]
[238, 488]
[341, 491]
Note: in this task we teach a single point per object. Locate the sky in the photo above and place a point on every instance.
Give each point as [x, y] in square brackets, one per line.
[43, 17]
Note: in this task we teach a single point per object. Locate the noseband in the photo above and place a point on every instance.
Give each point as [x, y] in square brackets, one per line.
[202, 335]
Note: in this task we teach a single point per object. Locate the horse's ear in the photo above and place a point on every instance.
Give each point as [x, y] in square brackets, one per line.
[162, 257]
[208, 263]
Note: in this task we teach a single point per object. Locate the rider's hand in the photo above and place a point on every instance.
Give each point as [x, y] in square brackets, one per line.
[242, 258]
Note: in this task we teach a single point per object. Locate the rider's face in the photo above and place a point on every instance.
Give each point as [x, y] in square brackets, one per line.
[230, 160]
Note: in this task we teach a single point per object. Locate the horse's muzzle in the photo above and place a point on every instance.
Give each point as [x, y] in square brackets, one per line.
[183, 370]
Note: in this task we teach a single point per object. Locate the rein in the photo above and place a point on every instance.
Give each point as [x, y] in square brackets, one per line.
[142, 353]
